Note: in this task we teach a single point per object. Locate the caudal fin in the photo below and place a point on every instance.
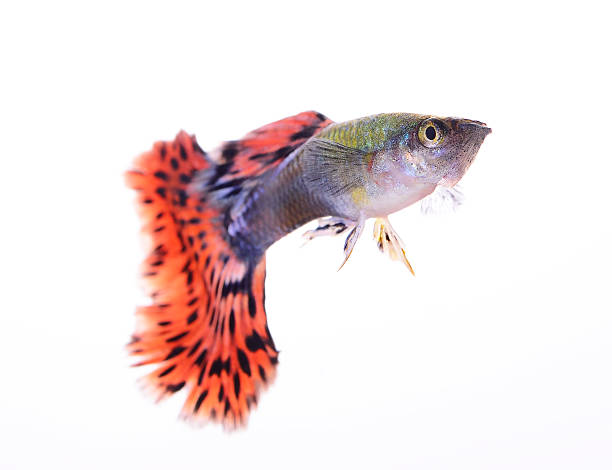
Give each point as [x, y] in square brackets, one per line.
[206, 328]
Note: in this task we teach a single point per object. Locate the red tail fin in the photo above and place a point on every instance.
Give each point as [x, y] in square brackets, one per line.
[206, 327]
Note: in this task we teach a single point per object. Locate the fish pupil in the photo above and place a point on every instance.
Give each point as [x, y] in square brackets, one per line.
[430, 133]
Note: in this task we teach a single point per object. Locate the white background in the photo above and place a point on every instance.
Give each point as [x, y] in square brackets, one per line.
[496, 356]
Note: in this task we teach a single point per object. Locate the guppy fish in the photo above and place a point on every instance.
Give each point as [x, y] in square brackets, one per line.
[211, 217]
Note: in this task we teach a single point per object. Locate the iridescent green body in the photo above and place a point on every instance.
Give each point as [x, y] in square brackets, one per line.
[372, 133]
[368, 167]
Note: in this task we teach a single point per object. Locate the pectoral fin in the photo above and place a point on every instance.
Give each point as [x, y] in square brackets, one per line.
[331, 166]
[389, 242]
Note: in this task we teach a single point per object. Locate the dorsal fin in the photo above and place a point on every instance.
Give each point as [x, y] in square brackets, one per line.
[241, 162]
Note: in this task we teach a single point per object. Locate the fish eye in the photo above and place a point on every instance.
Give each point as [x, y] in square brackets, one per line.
[430, 133]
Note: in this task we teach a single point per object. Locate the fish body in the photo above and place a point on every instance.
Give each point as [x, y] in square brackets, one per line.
[212, 217]
[355, 170]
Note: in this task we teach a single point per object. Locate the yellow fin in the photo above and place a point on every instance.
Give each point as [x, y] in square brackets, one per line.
[389, 242]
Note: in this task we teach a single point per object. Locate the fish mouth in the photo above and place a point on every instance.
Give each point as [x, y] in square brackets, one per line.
[468, 124]
[470, 135]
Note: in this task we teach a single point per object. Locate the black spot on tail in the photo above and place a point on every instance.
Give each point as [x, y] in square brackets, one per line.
[262, 374]
[252, 305]
[195, 348]
[161, 175]
[244, 362]
[177, 337]
[221, 394]
[236, 385]
[232, 322]
[254, 342]
[193, 317]
[219, 366]
[200, 360]
[201, 399]
[175, 352]
[167, 371]
[175, 387]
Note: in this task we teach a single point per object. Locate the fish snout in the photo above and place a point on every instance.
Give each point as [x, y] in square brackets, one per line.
[471, 126]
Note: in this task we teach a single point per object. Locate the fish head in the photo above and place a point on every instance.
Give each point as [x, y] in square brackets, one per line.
[439, 150]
